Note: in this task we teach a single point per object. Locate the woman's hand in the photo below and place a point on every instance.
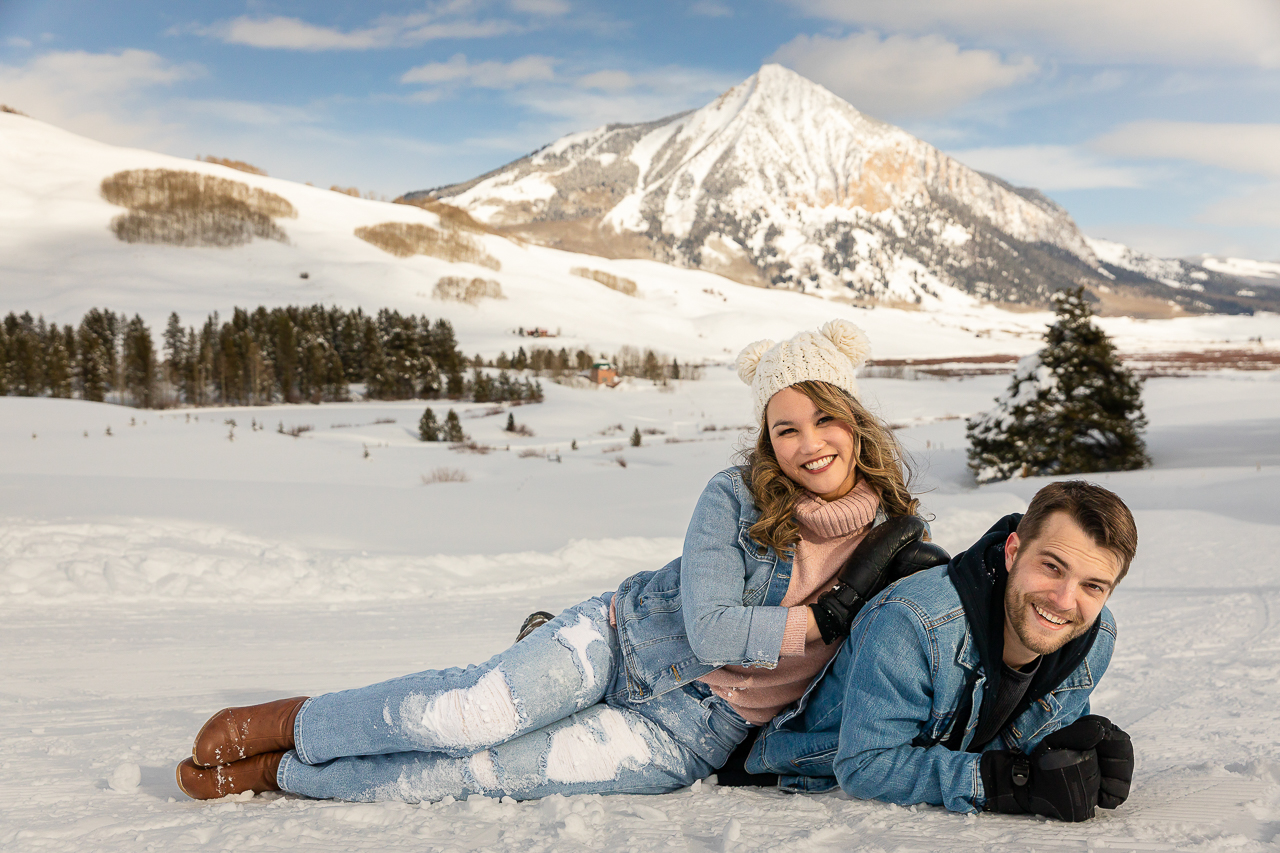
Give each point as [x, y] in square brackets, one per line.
[812, 633]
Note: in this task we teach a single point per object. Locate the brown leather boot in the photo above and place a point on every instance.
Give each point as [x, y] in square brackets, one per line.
[255, 774]
[234, 734]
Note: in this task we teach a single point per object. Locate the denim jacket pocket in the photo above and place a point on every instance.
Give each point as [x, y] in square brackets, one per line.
[766, 563]
[655, 649]
[825, 757]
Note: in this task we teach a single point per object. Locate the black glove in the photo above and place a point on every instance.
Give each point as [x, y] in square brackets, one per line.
[889, 552]
[1060, 778]
[1115, 762]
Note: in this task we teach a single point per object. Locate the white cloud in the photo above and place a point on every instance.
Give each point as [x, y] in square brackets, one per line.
[297, 34]
[900, 75]
[607, 81]
[247, 113]
[1174, 32]
[711, 9]
[653, 94]
[95, 94]
[1049, 167]
[1251, 148]
[17, 41]
[489, 74]
[540, 7]
[1260, 207]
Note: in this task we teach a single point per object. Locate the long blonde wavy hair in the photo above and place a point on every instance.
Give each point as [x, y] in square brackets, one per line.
[879, 459]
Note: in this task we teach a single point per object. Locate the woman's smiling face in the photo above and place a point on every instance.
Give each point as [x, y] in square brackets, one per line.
[814, 449]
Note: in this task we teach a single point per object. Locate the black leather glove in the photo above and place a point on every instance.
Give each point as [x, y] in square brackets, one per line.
[1115, 763]
[887, 553]
[1060, 779]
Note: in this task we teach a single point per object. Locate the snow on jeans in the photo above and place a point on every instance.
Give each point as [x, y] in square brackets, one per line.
[547, 716]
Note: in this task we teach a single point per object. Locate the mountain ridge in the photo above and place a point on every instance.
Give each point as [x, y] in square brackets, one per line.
[780, 183]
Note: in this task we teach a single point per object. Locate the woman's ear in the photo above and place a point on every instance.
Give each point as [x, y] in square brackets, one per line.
[749, 359]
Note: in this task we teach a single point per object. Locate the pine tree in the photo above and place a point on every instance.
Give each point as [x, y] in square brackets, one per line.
[635, 437]
[453, 428]
[428, 428]
[652, 369]
[336, 386]
[93, 364]
[97, 364]
[482, 387]
[26, 357]
[376, 382]
[57, 365]
[1071, 408]
[285, 346]
[511, 422]
[4, 359]
[175, 340]
[139, 362]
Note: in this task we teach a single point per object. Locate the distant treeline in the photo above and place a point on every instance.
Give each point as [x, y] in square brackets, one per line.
[293, 354]
[627, 361]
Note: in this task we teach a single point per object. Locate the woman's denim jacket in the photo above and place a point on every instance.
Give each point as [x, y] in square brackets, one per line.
[876, 718]
[716, 604]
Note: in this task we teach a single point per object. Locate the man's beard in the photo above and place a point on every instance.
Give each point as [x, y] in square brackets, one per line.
[1017, 609]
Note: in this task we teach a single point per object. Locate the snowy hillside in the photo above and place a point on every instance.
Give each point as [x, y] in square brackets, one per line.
[780, 182]
[1260, 272]
[151, 577]
[59, 257]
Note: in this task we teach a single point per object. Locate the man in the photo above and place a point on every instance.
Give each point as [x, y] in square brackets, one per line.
[967, 685]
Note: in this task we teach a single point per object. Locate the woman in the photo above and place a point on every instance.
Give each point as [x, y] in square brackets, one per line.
[641, 690]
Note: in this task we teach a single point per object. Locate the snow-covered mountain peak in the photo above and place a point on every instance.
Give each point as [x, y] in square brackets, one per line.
[780, 182]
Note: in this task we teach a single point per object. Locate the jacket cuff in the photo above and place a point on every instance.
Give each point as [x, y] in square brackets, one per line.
[764, 636]
[797, 627]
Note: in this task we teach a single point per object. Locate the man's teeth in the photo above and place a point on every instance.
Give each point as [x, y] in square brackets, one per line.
[818, 463]
[1049, 617]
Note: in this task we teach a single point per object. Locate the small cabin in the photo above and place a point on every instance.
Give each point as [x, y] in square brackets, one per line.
[603, 373]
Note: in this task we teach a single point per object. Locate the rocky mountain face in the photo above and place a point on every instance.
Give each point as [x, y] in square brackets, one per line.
[780, 183]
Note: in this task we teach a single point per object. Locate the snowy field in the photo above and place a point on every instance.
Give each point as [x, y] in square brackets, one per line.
[152, 576]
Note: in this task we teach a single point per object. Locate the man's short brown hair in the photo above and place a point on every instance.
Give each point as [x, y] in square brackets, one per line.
[1098, 511]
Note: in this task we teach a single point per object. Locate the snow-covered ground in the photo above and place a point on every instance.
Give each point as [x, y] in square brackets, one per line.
[153, 576]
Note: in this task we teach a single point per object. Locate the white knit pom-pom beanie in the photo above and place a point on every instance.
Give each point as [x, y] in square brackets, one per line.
[832, 354]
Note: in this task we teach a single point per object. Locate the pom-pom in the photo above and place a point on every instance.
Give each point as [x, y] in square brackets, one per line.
[749, 359]
[849, 339]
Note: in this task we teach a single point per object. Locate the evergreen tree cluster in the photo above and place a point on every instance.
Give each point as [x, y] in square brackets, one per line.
[1072, 408]
[430, 429]
[502, 388]
[105, 353]
[628, 361]
[291, 354]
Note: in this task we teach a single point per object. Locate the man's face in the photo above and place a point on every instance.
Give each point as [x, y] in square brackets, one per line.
[1058, 583]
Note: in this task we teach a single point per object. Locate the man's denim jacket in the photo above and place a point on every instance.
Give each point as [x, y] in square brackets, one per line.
[876, 718]
[717, 604]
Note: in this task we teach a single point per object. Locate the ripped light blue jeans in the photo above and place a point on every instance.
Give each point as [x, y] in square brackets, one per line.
[547, 716]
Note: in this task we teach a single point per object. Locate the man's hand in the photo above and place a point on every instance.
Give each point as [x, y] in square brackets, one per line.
[889, 552]
[1115, 762]
[1060, 779]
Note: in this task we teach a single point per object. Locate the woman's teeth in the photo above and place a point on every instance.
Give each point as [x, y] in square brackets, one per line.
[819, 463]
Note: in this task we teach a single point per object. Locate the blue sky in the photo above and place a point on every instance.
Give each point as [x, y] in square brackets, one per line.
[1154, 122]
